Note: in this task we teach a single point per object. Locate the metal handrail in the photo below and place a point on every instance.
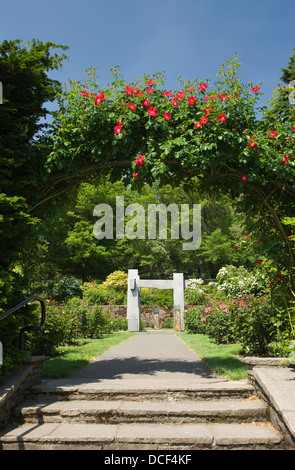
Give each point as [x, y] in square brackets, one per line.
[27, 328]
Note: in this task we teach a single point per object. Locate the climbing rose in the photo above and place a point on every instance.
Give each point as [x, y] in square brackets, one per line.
[168, 93]
[202, 86]
[118, 129]
[272, 134]
[140, 160]
[129, 90]
[180, 95]
[221, 118]
[99, 98]
[198, 125]
[132, 106]
[244, 178]
[174, 102]
[145, 103]
[207, 110]
[191, 100]
[149, 90]
[204, 120]
[286, 159]
[135, 174]
[167, 116]
[153, 112]
[150, 82]
[252, 144]
[256, 88]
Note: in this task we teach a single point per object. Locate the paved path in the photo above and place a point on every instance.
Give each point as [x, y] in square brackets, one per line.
[149, 359]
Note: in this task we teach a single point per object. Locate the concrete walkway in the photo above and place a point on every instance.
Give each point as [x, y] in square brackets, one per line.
[152, 359]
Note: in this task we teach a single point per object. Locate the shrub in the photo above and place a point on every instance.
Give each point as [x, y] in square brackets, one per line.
[260, 328]
[237, 281]
[193, 293]
[67, 288]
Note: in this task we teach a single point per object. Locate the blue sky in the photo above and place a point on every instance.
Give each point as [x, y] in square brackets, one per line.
[187, 38]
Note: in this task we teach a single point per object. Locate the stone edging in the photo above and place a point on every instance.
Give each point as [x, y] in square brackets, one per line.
[15, 386]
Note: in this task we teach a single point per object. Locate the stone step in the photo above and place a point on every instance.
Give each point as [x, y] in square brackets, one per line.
[103, 391]
[110, 412]
[142, 436]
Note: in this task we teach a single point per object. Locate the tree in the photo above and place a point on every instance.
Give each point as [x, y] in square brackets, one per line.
[26, 87]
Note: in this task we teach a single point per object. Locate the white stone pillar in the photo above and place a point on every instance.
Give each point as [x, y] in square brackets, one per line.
[133, 301]
[178, 295]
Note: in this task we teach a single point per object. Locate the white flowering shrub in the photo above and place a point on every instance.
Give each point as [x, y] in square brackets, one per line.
[236, 281]
[193, 293]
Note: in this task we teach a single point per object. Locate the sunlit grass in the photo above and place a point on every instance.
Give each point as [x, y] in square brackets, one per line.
[220, 358]
[72, 358]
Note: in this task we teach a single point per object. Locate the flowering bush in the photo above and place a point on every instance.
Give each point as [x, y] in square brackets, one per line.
[193, 293]
[238, 281]
[65, 322]
[253, 322]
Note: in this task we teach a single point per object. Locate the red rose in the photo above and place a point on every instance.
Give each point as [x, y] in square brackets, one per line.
[204, 120]
[118, 129]
[202, 86]
[145, 103]
[132, 106]
[153, 112]
[150, 82]
[129, 90]
[221, 118]
[256, 88]
[272, 134]
[286, 159]
[174, 102]
[191, 100]
[252, 144]
[140, 160]
[244, 178]
[168, 93]
[180, 95]
[198, 125]
[149, 90]
[167, 116]
[207, 110]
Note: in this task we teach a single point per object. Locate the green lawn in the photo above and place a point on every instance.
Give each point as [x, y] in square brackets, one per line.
[74, 357]
[220, 358]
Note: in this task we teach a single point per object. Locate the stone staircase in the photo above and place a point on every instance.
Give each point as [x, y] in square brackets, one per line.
[91, 416]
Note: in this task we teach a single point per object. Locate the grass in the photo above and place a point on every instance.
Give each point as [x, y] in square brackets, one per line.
[220, 358]
[72, 358]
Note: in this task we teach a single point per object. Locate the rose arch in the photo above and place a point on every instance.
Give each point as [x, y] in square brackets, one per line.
[143, 132]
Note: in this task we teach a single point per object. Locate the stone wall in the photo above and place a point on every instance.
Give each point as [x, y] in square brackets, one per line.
[147, 314]
[16, 385]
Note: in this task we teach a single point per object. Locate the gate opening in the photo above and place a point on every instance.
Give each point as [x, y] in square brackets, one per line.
[133, 297]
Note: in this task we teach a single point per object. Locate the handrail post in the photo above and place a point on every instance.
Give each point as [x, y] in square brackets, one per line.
[27, 328]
